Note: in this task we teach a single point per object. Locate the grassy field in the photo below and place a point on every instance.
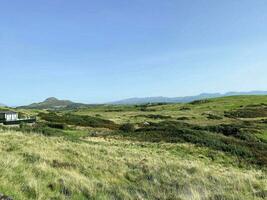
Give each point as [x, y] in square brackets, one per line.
[196, 113]
[38, 167]
[205, 150]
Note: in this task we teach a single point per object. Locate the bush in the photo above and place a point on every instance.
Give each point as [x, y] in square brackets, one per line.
[182, 118]
[242, 145]
[153, 116]
[21, 115]
[215, 117]
[249, 112]
[56, 126]
[226, 129]
[79, 120]
[127, 127]
[185, 108]
[40, 128]
[202, 101]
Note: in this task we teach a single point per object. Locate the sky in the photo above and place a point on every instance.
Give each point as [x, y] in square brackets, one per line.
[105, 50]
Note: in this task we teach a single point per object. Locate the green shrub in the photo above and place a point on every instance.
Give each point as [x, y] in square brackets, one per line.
[173, 132]
[40, 128]
[56, 125]
[243, 132]
[78, 120]
[153, 116]
[202, 101]
[226, 129]
[248, 112]
[127, 127]
[215, 117]
[183, 118]
[184, 108]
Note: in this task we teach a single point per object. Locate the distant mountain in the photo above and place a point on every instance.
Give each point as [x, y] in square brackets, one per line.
[183, 99]
[53, 103]
[245, 93]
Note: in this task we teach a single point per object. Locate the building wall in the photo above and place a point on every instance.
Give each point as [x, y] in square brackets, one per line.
[11, 117]
[2, 116]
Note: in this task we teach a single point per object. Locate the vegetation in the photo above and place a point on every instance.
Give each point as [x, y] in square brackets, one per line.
[78, 120]
[38, 167]
[153, 116]
[127, 127]
[252, 111]
[173, 132]
[151, 151]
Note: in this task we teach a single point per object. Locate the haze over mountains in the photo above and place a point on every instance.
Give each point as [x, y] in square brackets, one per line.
[54, 103]
[185, 99]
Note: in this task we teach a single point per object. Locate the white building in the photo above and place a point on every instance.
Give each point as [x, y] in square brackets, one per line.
[8, 116]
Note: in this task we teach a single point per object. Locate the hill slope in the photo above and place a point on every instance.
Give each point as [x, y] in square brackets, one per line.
[37, 167]
[154, 151]
[52, 103]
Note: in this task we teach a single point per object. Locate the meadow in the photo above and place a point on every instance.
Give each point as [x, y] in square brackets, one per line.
[213, 149]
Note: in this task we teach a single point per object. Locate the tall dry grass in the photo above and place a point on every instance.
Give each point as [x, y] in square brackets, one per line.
[37, 167]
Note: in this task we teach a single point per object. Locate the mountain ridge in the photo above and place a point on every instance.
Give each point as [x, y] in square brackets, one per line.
[185, 99]
[54, 103]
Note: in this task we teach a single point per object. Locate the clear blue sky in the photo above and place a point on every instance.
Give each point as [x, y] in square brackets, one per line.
[105, 50]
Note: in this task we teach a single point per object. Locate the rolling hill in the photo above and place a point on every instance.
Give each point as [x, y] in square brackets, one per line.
[53, 103]
[153, 151]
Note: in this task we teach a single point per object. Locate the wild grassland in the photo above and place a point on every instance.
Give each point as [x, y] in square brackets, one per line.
[196, 113]
[205, 150]
[38, 167]
[263, 135]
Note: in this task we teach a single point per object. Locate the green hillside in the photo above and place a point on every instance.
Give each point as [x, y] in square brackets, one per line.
[52, 103]
[209, 149]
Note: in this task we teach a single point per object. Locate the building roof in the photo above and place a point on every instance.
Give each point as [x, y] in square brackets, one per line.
[7, 112]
